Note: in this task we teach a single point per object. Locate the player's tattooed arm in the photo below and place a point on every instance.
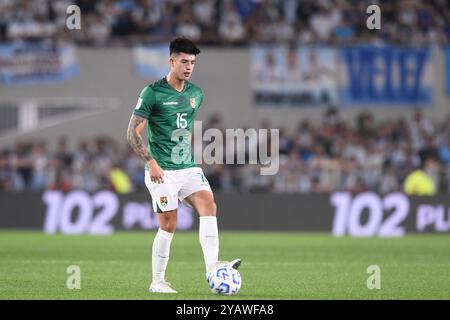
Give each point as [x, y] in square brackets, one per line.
[135, 128]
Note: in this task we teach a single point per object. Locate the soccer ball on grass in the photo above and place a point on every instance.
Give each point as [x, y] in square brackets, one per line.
[224, 280]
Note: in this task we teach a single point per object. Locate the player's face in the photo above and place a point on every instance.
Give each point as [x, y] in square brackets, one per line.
[182, 65]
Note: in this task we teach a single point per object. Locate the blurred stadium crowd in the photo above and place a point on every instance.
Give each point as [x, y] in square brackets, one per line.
[234, 22]
[332, 156]
[328, 157]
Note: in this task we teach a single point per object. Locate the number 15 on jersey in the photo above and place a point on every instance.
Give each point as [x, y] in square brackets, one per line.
[181, 121]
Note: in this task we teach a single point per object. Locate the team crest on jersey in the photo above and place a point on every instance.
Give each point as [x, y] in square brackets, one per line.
[163, 201]
[192, 102]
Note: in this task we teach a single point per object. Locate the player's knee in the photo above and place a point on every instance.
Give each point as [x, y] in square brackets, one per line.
[209, 209]
[168, 226]
[168, 222]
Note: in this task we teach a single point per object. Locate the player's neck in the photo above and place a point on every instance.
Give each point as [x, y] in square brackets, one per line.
[175, 83]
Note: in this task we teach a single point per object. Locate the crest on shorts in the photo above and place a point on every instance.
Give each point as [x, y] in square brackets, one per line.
[192, 101]
[163, 201]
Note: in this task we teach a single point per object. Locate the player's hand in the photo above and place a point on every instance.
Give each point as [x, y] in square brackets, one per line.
[155, 171]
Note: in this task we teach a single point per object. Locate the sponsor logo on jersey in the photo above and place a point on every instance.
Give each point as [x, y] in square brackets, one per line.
[163, 201]
[192, 101]
[170, 103]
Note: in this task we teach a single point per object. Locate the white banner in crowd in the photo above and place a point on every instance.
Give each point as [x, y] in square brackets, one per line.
[297, 77]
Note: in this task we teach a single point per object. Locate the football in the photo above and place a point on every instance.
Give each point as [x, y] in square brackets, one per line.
[224, 280]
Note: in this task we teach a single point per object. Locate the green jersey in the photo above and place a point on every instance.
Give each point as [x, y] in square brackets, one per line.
[170, 115]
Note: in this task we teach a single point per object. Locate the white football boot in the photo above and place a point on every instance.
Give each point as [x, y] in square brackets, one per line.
[233, 263]
[161, 287]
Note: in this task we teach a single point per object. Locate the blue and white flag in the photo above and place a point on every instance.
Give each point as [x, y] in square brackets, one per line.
[36, 63]
[151, 60]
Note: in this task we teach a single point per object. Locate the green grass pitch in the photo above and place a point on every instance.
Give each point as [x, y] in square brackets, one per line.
[275, 266]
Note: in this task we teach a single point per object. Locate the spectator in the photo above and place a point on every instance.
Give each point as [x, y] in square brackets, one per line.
[111, 22]
[419, 182]
[420, 128]
[119, 180]
[327, 157]
[5, 171]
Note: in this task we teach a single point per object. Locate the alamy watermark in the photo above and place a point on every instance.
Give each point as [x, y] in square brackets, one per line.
[374, 21]
[374, 280]
[74, 279]
[234, 146]
[73, 21]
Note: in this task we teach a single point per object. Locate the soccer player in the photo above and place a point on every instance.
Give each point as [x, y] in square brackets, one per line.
[167, 108]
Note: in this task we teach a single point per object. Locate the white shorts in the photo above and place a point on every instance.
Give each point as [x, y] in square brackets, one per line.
[177, 185]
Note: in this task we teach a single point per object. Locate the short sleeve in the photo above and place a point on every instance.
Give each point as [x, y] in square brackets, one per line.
[145, 103]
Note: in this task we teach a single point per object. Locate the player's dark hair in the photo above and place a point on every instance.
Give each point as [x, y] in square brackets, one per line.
[183, 45]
